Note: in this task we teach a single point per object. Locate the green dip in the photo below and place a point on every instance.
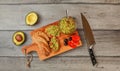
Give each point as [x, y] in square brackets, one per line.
[54, 44]
[53, 30]
[67, 25]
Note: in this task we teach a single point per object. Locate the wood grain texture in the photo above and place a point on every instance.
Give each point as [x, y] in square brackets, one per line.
[58, 1]
[104, 19]
[60, 64]
[107, 44]
[12, 17]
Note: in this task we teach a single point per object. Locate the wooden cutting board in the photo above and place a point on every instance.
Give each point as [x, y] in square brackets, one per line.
[61, 38]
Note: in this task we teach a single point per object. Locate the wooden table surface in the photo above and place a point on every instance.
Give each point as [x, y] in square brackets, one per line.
[103, 16]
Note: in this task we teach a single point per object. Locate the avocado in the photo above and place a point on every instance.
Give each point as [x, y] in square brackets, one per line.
[53, 30]
[31, 18]
[18, 38]
[54, 44]
[67, 25]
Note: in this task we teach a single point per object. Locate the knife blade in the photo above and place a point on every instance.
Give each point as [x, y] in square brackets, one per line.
[89, 38]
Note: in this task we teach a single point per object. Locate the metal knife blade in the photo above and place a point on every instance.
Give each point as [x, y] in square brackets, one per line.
[89, 38]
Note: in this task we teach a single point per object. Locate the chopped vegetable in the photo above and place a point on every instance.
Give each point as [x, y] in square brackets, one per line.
[74, 41]
[72, 44]
[67, 25]
[75, 38]
[53, 30]
[54, 44]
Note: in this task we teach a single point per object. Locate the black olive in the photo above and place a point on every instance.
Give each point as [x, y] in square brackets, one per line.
[65, 42]
[70, 38]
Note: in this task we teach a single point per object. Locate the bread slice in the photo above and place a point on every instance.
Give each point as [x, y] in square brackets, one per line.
[37, 38]
[40, 33]
[45, 50]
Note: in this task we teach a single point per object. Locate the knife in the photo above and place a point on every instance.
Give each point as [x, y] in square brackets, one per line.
[89, 38]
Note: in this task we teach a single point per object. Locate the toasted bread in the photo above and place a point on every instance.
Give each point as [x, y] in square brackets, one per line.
[43, 47]
[40, 33]
[37, 38]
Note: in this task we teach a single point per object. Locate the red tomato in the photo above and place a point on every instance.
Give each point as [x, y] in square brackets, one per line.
[75, 41]
[72, 44]
[75, 38]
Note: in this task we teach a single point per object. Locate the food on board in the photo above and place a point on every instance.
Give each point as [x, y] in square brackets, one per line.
[42, 34]
[67, 25]
[70, 38]
[75, 40]
[31, 18]
[41, 39]
[53, 30]
[65, 42]
[54, 38]
[54, 44]
[37, 38]
[72, 41]
[18, 38]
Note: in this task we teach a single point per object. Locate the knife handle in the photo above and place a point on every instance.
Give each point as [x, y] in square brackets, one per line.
[92, 56]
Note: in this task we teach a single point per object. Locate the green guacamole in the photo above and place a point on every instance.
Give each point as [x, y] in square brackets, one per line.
[54, 44]
[53, 30]
[67, 25]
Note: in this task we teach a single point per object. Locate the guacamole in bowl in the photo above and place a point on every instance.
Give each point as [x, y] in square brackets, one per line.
[67, 25]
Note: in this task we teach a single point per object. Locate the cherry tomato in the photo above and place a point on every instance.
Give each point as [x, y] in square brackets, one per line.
[72, 44]
[74, 41]
[75, 38]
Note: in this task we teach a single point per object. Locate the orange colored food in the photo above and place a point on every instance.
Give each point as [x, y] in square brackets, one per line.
[46, 52]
